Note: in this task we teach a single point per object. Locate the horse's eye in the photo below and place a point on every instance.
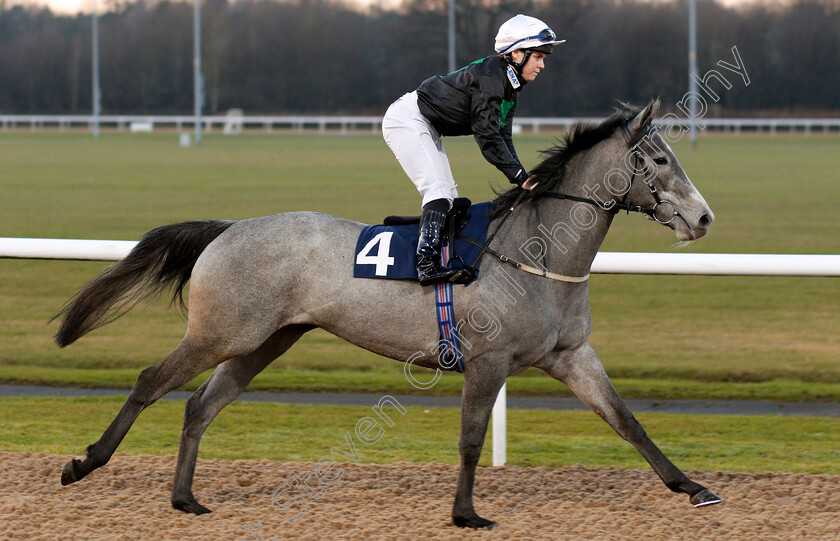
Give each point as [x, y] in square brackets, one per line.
[660, 161]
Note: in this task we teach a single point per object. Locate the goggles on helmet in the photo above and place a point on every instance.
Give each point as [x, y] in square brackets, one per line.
[545, 36]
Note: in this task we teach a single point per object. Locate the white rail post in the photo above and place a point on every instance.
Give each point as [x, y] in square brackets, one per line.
[500, 428]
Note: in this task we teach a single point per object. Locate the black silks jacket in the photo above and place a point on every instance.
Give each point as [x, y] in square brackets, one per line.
[477, 100]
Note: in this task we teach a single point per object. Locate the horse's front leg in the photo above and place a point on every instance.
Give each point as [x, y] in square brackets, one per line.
[481, 387]
[583, 372]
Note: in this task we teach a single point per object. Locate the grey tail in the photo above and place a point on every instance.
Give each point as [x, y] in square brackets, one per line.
[164, 257]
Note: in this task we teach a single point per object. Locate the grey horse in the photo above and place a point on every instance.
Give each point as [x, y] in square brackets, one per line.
[257, 285]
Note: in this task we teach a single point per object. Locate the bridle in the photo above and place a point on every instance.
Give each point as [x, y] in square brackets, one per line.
[616, 206]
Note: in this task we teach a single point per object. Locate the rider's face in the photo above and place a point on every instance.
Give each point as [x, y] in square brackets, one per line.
[532, 68]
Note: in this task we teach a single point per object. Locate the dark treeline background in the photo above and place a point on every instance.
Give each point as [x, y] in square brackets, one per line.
[321, 56]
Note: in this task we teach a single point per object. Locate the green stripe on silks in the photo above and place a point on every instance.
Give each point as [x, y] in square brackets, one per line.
[506, 107]
[479, 61]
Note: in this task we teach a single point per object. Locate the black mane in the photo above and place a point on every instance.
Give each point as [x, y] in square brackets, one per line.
[551, 172]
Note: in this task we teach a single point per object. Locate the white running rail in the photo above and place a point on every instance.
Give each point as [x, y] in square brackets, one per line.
[269, 123]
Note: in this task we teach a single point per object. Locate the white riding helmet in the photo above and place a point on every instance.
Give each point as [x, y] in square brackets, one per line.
[524, 32]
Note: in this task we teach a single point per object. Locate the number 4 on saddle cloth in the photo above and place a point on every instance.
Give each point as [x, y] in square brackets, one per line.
[389, 251]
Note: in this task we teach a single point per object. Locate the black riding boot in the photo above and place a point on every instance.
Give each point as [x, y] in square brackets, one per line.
[429, 269]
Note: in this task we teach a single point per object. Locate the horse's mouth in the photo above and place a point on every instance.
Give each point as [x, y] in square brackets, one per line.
[686, 232]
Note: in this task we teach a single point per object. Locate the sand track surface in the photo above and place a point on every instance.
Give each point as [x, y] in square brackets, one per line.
[129, 499]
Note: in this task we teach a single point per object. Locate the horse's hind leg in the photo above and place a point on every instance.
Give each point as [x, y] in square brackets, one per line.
[227, 382]
[583, 372]
[189, 359]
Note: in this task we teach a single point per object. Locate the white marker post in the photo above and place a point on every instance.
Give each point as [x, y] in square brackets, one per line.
[500, 428]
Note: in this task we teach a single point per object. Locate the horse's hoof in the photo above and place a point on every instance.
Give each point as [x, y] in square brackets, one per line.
[705, 497]
[189, 505]
[69, 474]
[475, 522]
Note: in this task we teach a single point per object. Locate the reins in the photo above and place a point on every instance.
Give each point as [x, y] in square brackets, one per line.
[522, 266]
[485, 248]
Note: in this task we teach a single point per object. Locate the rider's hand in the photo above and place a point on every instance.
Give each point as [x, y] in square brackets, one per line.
[529, 184]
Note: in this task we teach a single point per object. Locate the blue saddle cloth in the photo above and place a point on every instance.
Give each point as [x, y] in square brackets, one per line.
[390, 251]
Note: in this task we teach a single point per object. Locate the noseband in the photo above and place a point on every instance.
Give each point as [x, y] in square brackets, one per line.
[616, 206]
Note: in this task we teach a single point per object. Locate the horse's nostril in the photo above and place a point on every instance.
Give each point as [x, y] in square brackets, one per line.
[705, 221]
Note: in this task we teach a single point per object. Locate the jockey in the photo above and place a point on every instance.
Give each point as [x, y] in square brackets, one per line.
[477, 100]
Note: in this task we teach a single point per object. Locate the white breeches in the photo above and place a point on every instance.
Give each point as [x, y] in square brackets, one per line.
[418, 148]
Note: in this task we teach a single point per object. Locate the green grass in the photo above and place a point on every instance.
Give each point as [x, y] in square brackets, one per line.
[658, 336]
[535, 437]
[530, 384]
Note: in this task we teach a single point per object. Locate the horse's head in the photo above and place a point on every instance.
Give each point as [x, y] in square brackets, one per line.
[657, 182]
[622, 163]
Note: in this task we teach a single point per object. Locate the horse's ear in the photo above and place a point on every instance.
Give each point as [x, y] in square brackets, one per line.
[643, 120]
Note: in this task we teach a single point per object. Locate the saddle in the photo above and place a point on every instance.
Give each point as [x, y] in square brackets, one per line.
[457, 218]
